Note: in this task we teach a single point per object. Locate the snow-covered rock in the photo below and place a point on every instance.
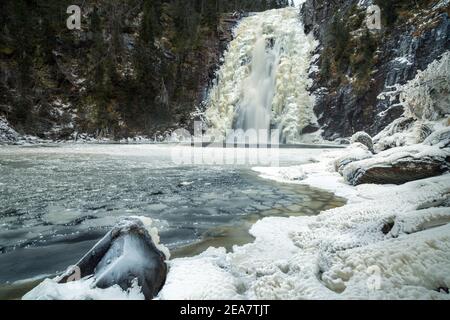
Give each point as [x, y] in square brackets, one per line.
[439, 137]
[427, 96]
[355, 152]
[127, 258]
[7, 134]
[399, 165]
[363, 138]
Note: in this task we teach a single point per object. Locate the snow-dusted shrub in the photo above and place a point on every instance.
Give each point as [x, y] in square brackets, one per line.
[363, 138]
[427, 96]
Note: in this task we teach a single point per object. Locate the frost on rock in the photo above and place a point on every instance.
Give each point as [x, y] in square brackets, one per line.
[363, 138]
[427, 96]
[399, 165]
[426, 101]
[273, 78]
[402, 132]
[128, 258]
[439, 137]
[7, 134]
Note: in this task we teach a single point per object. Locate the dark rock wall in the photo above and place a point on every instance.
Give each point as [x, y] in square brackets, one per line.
[136, 67]
[417, 38]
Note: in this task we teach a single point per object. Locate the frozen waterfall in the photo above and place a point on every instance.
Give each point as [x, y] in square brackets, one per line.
[263, 81]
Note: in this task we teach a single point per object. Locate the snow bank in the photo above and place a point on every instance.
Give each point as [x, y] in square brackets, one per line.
[388, 242]
[81, 290]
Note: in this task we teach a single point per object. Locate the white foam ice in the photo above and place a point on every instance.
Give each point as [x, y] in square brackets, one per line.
[263, 81]
[387, 242]
[82, 290]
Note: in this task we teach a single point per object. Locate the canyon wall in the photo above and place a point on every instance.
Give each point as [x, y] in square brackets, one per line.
[357, 65]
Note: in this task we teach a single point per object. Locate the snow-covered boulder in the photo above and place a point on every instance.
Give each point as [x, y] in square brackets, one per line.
[355, 152]
[363, 138]
[399, 165]
[342, 141]
[7, 134]
[128, 258]
[427, 96]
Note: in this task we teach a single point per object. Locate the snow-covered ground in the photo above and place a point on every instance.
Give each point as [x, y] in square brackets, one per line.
[388, 242]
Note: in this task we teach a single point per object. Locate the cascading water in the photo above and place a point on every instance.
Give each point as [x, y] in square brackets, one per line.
[254, 111]
[263, 81]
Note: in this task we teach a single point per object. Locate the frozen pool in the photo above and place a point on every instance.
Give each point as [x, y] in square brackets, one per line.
[57, 201]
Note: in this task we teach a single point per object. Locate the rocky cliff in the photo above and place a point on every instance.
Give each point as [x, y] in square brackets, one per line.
[357, 68]
[135, 67]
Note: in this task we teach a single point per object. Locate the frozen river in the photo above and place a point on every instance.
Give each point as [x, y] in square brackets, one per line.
[57, 201]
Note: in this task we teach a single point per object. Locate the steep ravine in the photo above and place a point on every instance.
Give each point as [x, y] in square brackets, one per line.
[134, 68]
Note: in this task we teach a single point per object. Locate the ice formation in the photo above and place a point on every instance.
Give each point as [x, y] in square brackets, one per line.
[388, 242]
[108, 269]
[426, 101]
[263, 81]
[81, 290]
[427, 96]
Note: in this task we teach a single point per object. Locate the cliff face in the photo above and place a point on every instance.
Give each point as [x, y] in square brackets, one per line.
[357, 65]
[134, 67]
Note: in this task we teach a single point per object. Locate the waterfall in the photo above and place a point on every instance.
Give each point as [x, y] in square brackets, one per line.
[262, 83]
[254, 109]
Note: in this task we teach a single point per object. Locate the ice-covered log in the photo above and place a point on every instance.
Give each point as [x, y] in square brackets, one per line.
[399, 165]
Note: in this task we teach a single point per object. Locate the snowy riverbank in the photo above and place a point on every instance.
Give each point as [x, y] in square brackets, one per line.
[388, 242]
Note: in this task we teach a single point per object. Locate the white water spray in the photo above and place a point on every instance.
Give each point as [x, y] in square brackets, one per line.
[263, 82]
